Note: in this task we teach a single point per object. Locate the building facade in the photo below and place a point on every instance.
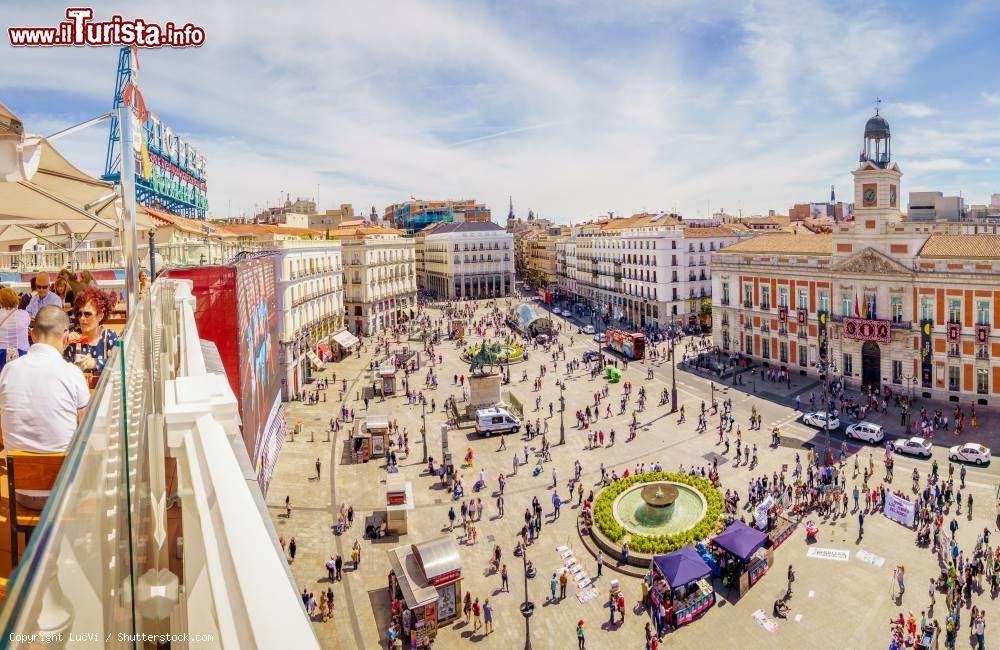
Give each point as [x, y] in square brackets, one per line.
[644, 270]
[415, 215]
[311, 297]
[881, 300]
[380, 283]
[466, 260]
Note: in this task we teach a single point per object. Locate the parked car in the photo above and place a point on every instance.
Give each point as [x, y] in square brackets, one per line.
[866, 431]
[556, 310]
[600, 337]
[819, 420]
[913, 446]
[970, 452]
[589, 329]
[591, 355]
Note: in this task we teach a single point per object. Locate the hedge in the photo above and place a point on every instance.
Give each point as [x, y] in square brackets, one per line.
[657, 544]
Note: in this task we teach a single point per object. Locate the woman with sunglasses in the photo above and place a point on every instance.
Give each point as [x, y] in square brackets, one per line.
[91, 346]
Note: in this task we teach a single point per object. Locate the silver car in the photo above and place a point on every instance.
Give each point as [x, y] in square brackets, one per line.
[913, 446]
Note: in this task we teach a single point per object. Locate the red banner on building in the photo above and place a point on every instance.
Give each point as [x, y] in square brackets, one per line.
[954, 331]
[782, 314]
[866, 329]
[803, 316]
[982, 333]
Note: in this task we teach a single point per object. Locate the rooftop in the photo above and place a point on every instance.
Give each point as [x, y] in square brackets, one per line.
[962, 247]
[475, 226]
[801, 244]
[720, 231]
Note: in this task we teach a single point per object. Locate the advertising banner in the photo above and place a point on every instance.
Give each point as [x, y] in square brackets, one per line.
[760, 512]
[899, 509]
[926, 353]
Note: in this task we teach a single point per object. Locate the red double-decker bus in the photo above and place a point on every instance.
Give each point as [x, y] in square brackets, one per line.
[630, 344]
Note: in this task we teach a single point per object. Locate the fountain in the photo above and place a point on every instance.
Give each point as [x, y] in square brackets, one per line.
[660, 508]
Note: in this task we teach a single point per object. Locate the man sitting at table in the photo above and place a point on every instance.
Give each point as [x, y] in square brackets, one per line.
[42, 397]
[43, 296]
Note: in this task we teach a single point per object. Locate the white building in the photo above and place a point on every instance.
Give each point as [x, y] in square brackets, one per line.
[643, 270]
[380, 278]
[467, 260]
[311, 299]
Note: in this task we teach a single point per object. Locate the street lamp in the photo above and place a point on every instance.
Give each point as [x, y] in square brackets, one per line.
[673, 369]
[423, 415]
[527, 607]
[827, 368]
[562, 411]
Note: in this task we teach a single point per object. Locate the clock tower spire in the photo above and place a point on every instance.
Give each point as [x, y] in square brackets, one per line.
[876, 180]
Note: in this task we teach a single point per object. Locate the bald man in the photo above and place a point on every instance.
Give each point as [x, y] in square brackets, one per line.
[43, 296]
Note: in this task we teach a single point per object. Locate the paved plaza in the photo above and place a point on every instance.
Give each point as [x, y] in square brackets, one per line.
[845, 604]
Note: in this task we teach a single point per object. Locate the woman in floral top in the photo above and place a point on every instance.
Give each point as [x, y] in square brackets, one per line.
[92, 345]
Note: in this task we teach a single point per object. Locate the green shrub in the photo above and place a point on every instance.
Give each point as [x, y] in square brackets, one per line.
[658, 544]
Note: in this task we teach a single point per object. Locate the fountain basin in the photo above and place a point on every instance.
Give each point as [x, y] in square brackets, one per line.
[659, 508]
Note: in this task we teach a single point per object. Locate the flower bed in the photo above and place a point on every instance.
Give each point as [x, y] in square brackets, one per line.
[605, 520]
[515, 351]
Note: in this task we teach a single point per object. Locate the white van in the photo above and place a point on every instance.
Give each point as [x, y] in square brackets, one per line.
[496, 420]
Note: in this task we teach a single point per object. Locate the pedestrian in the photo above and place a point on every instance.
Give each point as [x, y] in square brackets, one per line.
[467, 607]
[288, 507]
[600, 563]
[292, 547]
[861, 524]
[488, 615]
[791, 579]
[317, 468]
[553, 584]
[476, 613]
[581, 641]
[339, 561]
[356, 555]
[504, 584]
[331, 570]
[451, 518]
[563, 581]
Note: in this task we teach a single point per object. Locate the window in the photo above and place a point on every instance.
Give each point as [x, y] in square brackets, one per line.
[954, 311]
[802, 356]
[783, 296]
[725, 293]
[803, 299]
[954, 374]
[848, 367]
[748, 345]
[897, 371]
[982, 312]
[846, 304]
[824, 300]
[747, 295]
[926, 308]
[765, 297]
[982, 380]
[897, 309]
[783, 351]
[765, 348]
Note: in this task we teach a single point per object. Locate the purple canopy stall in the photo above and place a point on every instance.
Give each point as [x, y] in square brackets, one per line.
[679, 583]
[743, 559]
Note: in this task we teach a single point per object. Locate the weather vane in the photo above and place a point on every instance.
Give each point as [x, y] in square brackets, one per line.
[878, 102]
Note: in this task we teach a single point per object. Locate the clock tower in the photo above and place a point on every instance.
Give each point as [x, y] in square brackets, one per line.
[876, 180]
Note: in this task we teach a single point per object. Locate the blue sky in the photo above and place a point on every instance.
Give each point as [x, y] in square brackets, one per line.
[574, 108]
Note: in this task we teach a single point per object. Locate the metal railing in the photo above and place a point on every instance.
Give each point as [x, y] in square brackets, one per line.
[98, 562]
[189, 253]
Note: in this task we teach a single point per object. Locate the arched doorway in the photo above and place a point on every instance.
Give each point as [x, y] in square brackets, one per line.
[871, 364]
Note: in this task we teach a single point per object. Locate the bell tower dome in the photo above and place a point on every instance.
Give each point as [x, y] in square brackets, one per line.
[876, 180]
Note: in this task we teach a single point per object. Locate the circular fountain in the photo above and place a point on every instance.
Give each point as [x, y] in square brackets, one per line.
[660, 508]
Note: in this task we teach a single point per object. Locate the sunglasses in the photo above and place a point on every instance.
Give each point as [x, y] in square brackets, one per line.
[88, 314]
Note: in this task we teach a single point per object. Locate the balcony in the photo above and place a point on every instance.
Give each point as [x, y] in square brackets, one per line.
[802, 334]
[900, 325]
[724, 301]
[765, 306]
[747, 304]
[105, 557]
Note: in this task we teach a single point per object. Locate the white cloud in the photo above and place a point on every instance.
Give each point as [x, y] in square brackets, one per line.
[376, 102]
[993, 99]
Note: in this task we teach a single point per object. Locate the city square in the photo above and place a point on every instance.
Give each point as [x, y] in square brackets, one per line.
[849, 575]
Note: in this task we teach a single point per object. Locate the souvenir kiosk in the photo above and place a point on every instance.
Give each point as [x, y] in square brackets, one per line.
[682, 582]
[387, 379]
[741, 555]
[425, 582]
[369, 439]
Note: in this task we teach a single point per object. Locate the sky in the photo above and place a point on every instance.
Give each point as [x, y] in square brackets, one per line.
[573, 109]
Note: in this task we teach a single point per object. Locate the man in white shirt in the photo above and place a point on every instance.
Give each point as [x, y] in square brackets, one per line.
[42, 396]
[43, 296]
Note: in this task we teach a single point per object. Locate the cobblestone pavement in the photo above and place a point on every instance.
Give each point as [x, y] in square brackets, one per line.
[846, 604]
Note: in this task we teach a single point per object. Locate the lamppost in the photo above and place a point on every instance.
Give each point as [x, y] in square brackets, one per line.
[423, 415]
[673, 369]
[527, 607]
[562, 411]
[827, 367]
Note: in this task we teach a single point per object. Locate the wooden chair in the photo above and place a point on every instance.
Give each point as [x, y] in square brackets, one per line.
[33, 472]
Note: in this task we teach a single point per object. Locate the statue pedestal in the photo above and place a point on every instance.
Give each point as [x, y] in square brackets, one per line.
[484, 392]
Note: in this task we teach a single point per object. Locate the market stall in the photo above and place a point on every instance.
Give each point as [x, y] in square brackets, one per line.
[781, 528]
[377, 428]
[741, 555]
[387, 379]
[360, 444]
[344, 343]
[425, 587]
[682, 582]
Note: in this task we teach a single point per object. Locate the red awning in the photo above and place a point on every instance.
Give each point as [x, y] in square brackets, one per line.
[324, 352]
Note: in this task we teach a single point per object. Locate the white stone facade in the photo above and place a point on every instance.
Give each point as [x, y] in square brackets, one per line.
[380, 282]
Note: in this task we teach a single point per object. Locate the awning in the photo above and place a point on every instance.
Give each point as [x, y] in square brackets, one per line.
[323, 351]
[681, 567]
[740, 540]
[316, 362]
[345, 339]
[416, 591]
[438, 557]
[376, 422]
[387, 371]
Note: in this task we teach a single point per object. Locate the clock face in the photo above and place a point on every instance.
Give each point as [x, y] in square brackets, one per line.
[869, 195]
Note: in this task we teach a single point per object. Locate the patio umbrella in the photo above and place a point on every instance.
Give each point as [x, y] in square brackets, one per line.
[682, 567]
